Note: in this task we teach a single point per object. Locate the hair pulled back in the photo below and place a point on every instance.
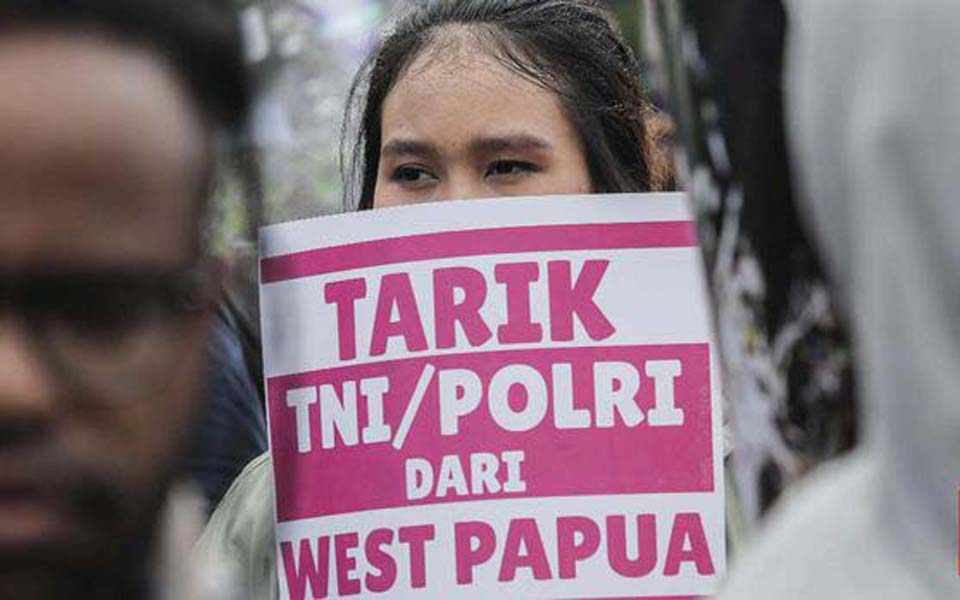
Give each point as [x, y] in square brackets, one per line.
[571, 47]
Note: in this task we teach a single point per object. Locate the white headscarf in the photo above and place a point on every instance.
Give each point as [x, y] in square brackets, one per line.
[873, 89]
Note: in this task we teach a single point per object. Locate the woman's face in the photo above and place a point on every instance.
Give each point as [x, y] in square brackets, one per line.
[460, 125]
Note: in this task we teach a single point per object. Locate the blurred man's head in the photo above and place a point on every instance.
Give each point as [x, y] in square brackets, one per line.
[110, 113]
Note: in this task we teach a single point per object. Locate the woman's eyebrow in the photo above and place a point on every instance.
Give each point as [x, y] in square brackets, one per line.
[519, 142]
[401, 147]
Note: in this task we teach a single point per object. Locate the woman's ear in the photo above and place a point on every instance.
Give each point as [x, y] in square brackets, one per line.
[660, 131]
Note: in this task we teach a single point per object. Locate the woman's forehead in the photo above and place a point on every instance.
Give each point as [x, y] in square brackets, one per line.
[452, 47]
[451, 93]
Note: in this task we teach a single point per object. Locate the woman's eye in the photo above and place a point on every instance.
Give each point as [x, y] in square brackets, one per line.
[412, 175]
[511, 168]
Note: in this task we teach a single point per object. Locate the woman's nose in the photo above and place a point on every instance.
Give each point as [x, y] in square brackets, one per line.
[464, 185]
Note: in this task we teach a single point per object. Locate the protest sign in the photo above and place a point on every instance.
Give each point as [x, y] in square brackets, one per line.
[510, 398]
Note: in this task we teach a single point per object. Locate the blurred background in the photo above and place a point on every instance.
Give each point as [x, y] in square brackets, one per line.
[304, 54]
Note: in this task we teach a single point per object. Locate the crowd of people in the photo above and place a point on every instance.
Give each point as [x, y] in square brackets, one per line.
[129, 385]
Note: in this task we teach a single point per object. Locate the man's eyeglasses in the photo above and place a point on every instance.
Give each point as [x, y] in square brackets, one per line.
[107, 330]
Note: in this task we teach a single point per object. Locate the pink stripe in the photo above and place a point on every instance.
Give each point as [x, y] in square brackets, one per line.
[477, 242]
[650, 598]
[568, 462]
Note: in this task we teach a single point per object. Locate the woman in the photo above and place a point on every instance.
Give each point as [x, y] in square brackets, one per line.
[501, 98]
[471, 99]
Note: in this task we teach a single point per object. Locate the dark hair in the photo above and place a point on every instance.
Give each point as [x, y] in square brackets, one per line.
[572, 47]
[199, 39]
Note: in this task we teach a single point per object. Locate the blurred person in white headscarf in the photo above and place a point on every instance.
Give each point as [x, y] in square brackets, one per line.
[874, 125]
[862, 115]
